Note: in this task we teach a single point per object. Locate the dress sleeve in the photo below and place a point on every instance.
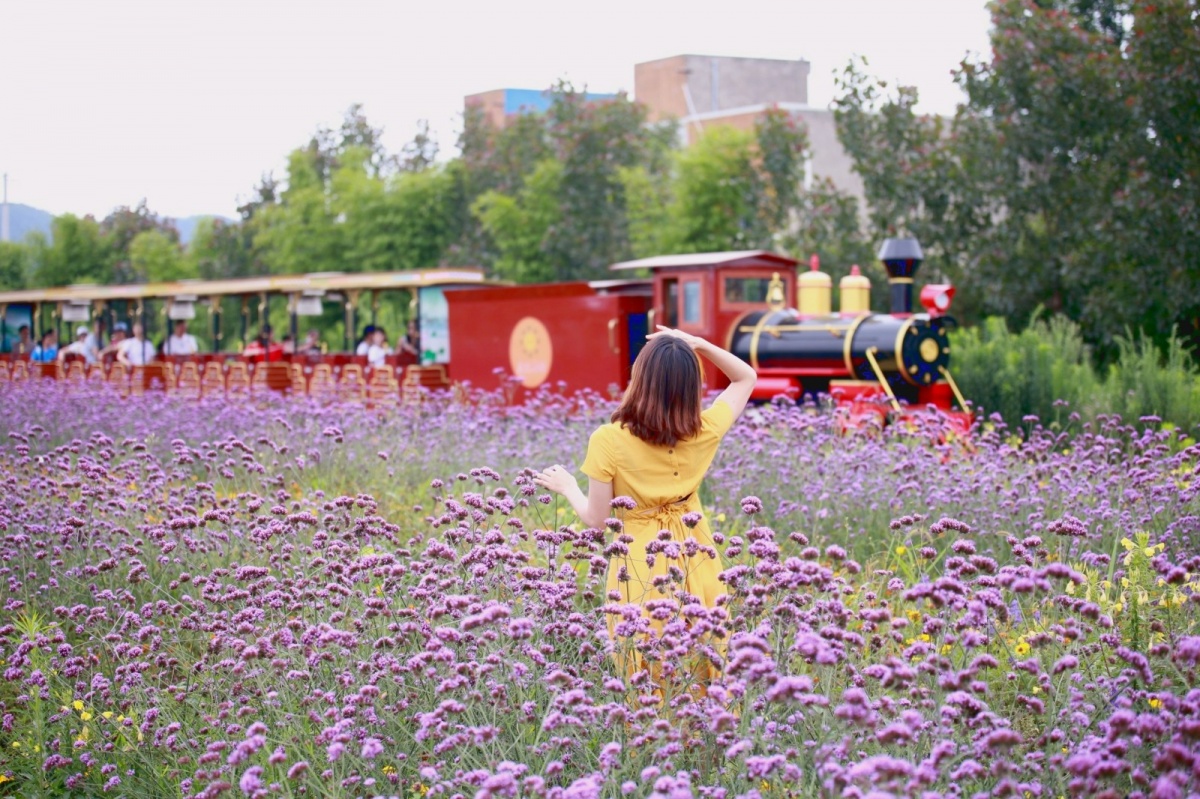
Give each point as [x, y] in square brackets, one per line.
[718, 418]
[600, 462]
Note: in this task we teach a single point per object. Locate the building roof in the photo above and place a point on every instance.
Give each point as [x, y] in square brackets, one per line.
[727, 258]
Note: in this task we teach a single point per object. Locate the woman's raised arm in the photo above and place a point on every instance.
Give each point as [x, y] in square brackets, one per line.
[741, 375]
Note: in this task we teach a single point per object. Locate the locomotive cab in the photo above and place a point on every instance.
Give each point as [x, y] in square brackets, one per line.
[706, 293]
[782, 324]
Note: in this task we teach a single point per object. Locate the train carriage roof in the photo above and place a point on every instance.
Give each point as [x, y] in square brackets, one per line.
[270, 284]
[728, 258]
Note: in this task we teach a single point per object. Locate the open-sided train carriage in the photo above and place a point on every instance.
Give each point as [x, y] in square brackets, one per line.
[239, 371]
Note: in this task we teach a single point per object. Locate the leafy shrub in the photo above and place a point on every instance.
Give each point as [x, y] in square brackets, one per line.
[1046, 371]
[1041, 371]
[1146, 382]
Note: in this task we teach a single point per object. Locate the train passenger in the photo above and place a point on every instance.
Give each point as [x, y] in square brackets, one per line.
[655, 451]
[24, 343]
[135, 350]
[94, 339]
[180, 342]
[79, 347]
[411, 343]
[364, 343]
[264, 347]
[312, 343]
[120, 333]
[47, 349]
[378, 350]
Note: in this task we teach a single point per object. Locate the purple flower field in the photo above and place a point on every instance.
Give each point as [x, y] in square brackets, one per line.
[293, 600]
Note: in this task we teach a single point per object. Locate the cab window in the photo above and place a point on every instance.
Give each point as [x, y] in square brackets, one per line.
[691, 302]
[671, 302]
[746, 289]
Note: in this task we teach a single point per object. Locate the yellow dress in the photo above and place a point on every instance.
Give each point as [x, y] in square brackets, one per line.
[665, 484]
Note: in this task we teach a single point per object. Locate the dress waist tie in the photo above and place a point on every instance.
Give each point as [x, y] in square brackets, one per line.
[663, 514]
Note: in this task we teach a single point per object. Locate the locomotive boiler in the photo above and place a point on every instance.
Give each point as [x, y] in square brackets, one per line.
[855, 352]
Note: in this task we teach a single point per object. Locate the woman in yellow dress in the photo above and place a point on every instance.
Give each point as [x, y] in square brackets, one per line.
[655, 451]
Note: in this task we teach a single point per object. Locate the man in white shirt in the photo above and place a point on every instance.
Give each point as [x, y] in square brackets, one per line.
[181, 342]
[80, 346]
[136, 351]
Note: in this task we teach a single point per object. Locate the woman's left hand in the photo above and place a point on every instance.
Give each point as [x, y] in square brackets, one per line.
[556, 479]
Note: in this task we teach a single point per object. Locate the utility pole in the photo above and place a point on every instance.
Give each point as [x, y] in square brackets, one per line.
[4, 230]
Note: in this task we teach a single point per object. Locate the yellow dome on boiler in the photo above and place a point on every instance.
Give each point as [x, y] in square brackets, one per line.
[815, 291]
[855, 292]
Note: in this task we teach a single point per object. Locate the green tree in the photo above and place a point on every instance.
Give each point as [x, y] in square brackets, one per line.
[581, 227]
[593, 141]
[220, 250]
[121, 227]
[403, 222]
[14, 265]
[155, 258]
[782, 149]
[75, 253]
[1069, 178]
[300, 233]
[520, 225]
[719, 194]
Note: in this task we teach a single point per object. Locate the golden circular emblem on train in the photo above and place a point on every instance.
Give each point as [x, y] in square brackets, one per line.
[530, 352]
[929, 350]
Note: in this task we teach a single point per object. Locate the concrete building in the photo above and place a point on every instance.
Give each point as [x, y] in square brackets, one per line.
[499, 105]
[702, 91]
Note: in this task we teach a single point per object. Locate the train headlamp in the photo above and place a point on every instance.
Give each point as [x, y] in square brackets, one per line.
[936, 298]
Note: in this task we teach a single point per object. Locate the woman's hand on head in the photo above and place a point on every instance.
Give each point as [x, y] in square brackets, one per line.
[556, 479]
[694, 342]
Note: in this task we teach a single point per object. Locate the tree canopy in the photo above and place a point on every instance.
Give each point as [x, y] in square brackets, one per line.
[1070, 177]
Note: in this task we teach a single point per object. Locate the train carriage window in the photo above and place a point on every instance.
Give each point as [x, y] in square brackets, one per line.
[671, 302]
[691, 302]
[746, 289]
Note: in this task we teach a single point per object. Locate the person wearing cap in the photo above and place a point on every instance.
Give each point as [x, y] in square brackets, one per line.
[180, 342]
[79, 347]
[119, 334]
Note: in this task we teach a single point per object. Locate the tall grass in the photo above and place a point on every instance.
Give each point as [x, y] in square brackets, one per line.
[1148, 382]
[1046, 370]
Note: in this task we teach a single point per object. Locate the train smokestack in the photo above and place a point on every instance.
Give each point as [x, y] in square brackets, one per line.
[902, 258]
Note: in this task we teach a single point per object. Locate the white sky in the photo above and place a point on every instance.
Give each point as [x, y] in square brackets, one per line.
[187, 103]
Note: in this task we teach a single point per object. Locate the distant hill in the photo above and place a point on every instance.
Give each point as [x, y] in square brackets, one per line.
[25, 219]
[187, 225]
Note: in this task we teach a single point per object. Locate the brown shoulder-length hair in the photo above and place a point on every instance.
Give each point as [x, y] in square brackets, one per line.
[662, 404]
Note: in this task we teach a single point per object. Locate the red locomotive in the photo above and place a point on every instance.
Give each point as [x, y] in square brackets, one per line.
[586, 334]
